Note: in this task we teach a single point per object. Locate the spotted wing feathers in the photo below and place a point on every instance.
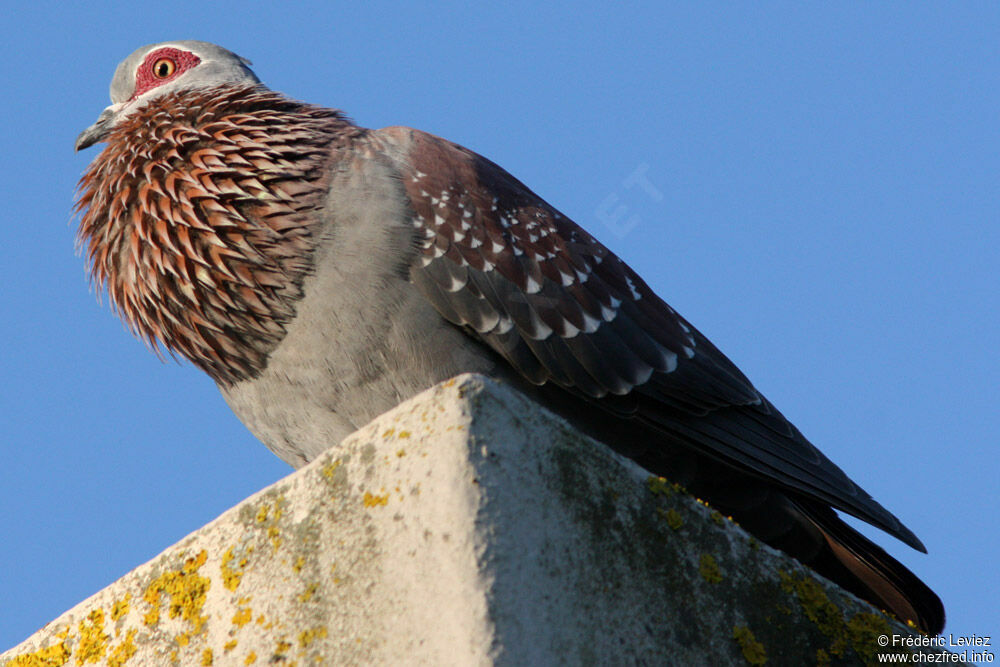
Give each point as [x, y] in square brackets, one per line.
[561, 308]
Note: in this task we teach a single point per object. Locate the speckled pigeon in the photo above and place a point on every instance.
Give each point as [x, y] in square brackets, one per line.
[321, 273]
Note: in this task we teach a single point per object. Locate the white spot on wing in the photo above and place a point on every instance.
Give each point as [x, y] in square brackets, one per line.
[671, 362]
[539, 330]
[590, 323]
[632, 289]
[608, 313]
[569, 331]
[503, 326]
[456, 284]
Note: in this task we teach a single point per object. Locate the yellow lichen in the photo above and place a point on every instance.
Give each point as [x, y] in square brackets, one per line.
[330, 468]
[403, 434]
[672, 517]
[56, 655]
[659, 486]
[819, 609]
[231, 577]
[388, 432]
[183, 639]
[374, 501]
[207, 657]
[281, 650]
[93, 640]
[242, 617]
[274, 535]
[120, 608]
[250, 659]
[753, 651]
[864, 630]
[709, 570]
[262, 513]
[299, 562]
[122, 653]
[307, 637]
[308, 593]
[229, 646]
[401, 453]
[859, 633]
[187, 591]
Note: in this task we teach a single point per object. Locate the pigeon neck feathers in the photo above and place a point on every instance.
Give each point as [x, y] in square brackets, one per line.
[198, 219]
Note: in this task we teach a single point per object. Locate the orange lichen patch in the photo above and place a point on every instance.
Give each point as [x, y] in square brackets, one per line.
[207, 657]
[120, 608]
[242, 617]
[308, 593]
[186, 589]
[56, 655]
[122, 653]
[307, 637]
[231, 576]
[374, 501]
[93, 640]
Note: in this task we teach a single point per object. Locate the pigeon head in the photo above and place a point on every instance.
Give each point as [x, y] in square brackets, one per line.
[155, 70]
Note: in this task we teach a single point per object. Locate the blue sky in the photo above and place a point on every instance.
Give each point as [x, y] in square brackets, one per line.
[824, 204]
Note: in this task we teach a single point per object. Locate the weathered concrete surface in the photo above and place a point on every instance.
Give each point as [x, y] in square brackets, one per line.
[465, 527]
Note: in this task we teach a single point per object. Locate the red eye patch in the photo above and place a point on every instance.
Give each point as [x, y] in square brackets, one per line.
[161, 66]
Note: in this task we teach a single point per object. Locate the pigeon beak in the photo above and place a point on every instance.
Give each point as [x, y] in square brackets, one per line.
[99, 130]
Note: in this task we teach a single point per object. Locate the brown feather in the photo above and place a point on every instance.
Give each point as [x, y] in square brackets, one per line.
[198, 220]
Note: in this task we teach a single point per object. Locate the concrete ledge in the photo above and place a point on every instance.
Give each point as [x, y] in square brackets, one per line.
[467, 526]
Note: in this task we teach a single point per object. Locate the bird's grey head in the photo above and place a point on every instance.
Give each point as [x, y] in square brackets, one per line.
[157, 69]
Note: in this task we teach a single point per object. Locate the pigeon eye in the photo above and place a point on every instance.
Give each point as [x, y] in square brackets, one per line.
[163, 68]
